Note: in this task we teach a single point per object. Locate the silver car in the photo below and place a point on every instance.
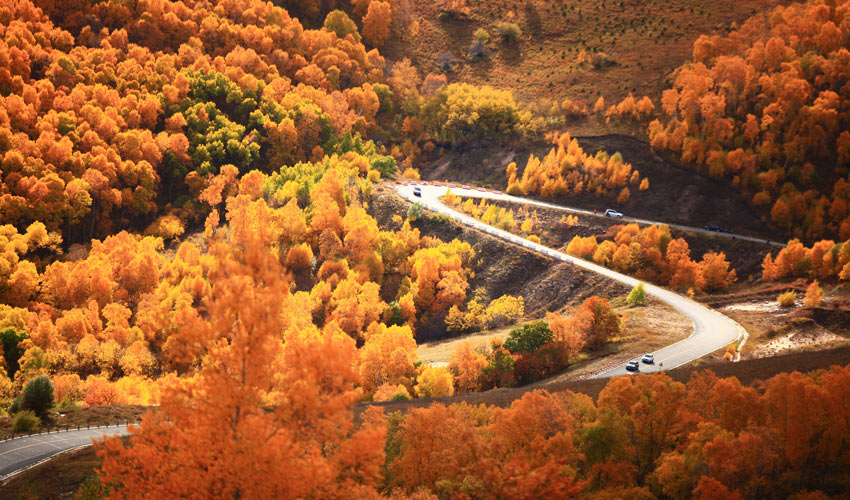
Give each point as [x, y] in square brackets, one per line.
[613, 213]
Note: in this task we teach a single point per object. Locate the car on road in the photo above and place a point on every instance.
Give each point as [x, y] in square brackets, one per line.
[417, 192]
[718, 229]
[613, 213]
[633, 366]
[648, 359]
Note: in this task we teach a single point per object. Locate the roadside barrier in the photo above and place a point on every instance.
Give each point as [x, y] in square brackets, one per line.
[69, 428]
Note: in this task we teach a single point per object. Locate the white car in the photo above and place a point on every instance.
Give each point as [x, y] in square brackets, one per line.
[613, 213]
[648, 359]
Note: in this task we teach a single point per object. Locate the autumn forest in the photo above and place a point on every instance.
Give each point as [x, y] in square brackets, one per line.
[211, 225]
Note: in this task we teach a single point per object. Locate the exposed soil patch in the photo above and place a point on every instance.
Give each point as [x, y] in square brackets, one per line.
[644, 39]
[502, 268]
[744, 256]
[676, 194]
[647, 328]
[775, 329]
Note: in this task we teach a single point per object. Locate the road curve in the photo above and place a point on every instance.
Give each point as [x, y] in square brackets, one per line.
[493, 195]
[712, 330]
[19, 454]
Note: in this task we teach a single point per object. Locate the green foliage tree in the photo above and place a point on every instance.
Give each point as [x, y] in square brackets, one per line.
[414, 212]
[339, 22]
[637, 295]
[529, 338]
[38, 395]
[12, 352]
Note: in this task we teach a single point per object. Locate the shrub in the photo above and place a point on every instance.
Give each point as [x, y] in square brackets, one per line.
[386, 165]
[529, 338]
[477, 51]
[600, 60]
[38, 395]
[411, 173]
[637, 295]
[414, 212]
[92, 489]
[814, 295]
[481, 35]
[787, 299]
[25, 421]
[510, 32]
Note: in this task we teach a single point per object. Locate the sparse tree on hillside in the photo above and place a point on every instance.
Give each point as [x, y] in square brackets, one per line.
[38, 395]
[637, 295]
[814, 295]
[376, 23]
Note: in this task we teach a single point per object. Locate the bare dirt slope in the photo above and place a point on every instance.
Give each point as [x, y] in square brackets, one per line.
[644, 39]
[744, 256]
[676, 195]
[502, 268]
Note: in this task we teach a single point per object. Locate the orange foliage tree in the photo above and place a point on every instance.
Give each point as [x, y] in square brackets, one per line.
[745, 110]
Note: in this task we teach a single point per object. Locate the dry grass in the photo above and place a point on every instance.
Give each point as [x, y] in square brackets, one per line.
[646, 40]
[647, 328]
[83, 416]
[58, 478]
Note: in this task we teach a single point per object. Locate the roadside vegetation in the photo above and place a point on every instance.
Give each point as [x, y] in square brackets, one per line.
[189, 238]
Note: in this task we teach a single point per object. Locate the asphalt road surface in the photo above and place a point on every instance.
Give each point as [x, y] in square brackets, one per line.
[712, 330]
[19, 453]
[470, 192]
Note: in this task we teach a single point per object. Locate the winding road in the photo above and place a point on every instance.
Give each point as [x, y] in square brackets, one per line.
[19, 454]
[712, 330]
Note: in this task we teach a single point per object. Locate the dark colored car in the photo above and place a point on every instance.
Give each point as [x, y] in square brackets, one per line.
[632, 366]
[718, 229]
[417, 192]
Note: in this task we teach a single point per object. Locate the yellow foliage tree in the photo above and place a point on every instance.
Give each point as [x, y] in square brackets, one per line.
[433, 382]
